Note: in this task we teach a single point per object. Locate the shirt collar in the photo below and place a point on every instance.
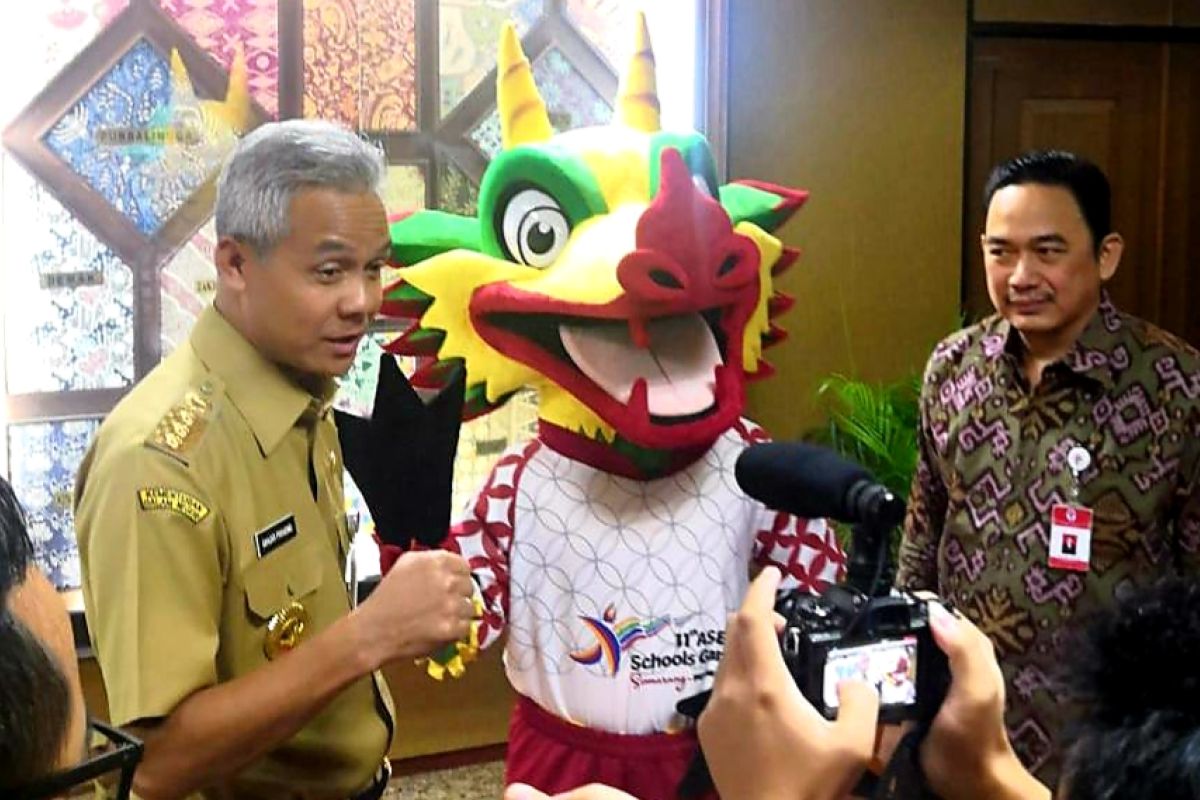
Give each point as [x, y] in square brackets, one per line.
[1095, 352]
[270, 401]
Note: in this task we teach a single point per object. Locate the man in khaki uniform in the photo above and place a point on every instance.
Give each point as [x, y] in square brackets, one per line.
[210, 506]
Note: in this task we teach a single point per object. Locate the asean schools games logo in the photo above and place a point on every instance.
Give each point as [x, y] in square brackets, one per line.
[615, 638]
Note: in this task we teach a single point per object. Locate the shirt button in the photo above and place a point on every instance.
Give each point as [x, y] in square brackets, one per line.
[206, 387]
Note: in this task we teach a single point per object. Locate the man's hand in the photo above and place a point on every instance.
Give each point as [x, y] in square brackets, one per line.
[967, 753]
[423, 602]
[593, 791]
[761, 738]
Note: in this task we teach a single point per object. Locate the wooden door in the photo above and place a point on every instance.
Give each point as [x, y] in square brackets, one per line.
[1179, 310]
[1107, 101]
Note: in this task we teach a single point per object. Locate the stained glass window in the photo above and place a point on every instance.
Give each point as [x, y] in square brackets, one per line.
[68, 300]
[220, 28]
[188, 283]
[606, 24]
[131, 96]
[96, 86]
[570, 101]
[360, 59]
[42, 38]
[467, 34]
[456, 192]
[44, 457]
[405, 189]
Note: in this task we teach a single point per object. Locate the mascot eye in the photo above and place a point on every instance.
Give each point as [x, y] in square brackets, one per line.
[535, 228]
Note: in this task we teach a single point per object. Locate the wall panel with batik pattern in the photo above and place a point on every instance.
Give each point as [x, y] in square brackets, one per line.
[106, 208]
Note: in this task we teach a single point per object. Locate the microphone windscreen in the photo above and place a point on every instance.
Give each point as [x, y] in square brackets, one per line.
[802, 479]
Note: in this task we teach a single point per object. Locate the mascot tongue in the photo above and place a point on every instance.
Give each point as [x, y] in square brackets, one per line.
[678, 365]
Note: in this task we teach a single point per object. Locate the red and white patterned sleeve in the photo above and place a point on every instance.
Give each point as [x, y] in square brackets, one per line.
[805, 550]
[484, 537]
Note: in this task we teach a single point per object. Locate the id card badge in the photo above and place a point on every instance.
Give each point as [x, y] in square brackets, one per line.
[1070, 537]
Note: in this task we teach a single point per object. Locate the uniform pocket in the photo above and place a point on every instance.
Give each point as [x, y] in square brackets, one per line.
[289, 574]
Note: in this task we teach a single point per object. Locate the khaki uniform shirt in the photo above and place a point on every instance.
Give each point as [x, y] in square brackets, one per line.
[197, 525]
[994, 460]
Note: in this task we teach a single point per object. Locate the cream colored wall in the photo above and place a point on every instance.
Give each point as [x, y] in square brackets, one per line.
[865, 110]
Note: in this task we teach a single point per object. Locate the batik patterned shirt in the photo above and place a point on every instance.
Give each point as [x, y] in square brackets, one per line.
[994, 460]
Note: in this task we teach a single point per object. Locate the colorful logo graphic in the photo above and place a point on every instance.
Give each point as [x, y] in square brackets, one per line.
[613, 638]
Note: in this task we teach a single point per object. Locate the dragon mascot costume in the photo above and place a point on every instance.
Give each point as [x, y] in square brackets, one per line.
[608, 270]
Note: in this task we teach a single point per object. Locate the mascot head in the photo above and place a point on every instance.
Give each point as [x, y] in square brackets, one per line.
[607, 268]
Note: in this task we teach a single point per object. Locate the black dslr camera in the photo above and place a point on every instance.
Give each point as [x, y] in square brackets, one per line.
[883, 641]
[862, 629]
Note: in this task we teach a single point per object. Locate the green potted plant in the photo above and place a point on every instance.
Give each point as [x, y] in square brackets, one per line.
[874, 424]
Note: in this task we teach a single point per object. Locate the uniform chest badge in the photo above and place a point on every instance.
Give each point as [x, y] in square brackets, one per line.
[285, 630]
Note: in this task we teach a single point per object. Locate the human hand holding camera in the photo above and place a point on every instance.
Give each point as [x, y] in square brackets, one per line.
[967, 753]
[761, 738]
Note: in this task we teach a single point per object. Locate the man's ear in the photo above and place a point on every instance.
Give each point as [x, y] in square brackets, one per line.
[1111, 248]
[231, 257]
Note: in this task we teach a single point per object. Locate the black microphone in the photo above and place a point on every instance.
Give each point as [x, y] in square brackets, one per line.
[811, 482]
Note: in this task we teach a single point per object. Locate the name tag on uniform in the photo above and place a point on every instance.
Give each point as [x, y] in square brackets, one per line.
[275, 535]
[1070, 537]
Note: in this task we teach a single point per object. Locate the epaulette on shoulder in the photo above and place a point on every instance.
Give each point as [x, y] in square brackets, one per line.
[183, 426]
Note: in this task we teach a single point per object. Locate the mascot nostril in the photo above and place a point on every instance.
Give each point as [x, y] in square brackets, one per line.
[608, 271]
[739, 269]
[652, 279]
[665, 279]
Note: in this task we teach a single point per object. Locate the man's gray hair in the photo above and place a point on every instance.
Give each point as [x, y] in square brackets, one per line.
[274, 161]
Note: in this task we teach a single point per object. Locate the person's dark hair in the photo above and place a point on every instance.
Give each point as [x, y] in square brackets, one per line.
[16, 551]
[1131, 678]
[1083, 179]
[35, 700]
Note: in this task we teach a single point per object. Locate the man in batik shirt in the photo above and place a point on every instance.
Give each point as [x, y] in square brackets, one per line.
[1059, 442]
